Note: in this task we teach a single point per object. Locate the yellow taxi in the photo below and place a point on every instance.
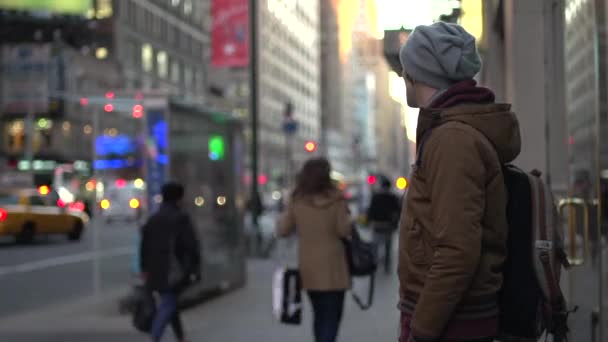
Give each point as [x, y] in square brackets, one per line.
[26, 213]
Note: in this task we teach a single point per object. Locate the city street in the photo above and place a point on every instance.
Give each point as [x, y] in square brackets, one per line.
[54, 270]
[239, 316]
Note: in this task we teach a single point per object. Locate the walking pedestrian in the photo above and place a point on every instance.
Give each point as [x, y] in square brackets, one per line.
[453, 230]
[383, 216]
[170, 259]
[319, 214]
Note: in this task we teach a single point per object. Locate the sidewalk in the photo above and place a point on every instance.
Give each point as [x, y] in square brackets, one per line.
[241, 316]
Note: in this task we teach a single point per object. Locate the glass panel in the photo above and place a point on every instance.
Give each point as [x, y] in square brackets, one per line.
[587, 103]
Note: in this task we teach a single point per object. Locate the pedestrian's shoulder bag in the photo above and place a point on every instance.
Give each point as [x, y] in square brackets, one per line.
[144, 309]
[362, 262]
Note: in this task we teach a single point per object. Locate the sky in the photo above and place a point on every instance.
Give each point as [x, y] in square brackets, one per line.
[394, 14]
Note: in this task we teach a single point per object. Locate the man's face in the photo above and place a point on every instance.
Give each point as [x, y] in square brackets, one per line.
[410, 91]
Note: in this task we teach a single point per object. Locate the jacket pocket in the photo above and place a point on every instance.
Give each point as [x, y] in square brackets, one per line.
[415, 243]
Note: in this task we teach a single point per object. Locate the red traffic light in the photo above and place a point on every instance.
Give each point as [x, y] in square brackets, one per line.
[371, 179]
[108, 107]
[310, 146]
[109, 95]
[138, 111]
[84, 101]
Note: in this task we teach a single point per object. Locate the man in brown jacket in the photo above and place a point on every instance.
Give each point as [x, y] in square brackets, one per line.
[453, 228]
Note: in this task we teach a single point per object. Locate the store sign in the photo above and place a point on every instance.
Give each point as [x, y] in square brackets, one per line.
[25, 78]
[74, 7]
[230, 33]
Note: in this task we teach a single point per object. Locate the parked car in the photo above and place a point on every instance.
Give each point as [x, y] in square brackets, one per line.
[26, 213]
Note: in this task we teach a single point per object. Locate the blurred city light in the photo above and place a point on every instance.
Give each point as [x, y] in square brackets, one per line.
[401, 183]
[199, 201]
[310, 146]
[77, 206]
[216, 146]
[44, 190]
[110, 95]
[3, 214]
[139, 183]
[108, 107]
[84, 101]
[90, 186]
[134, 203]
[371, 179]
[276, 195]
[120, 183]
[221, 200]
[262, 179]
[104, 204]
[138, 111]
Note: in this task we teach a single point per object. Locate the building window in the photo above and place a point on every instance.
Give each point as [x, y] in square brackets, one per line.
[188, 78]
[104, 9]
[175, 72]
[147, 56]
[175, 3]
[162, 64]
[188, 7]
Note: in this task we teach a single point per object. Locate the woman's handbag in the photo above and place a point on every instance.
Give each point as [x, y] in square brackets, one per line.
[362, 262]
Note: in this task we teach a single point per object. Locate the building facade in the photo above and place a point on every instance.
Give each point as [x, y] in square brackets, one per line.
[289, 58]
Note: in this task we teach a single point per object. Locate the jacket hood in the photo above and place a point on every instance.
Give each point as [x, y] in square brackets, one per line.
[495, 121]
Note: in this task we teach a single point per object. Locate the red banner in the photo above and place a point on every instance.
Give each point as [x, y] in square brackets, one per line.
[230, 33]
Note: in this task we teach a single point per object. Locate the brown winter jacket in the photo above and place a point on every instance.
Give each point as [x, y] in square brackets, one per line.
[453, 226]
[321, 221]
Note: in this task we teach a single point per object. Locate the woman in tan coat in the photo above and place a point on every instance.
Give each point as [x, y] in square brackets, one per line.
[319, 214]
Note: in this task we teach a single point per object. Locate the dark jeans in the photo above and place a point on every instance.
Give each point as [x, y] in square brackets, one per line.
[384, 239]
[327, 307]
[166, 313]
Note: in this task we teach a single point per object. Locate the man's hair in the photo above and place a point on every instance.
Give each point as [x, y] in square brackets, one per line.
[172, 192]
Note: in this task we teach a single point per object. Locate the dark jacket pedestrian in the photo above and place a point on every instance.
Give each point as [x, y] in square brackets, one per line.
[453, 227]
[383, 217]
[169, 258]
[319, 214]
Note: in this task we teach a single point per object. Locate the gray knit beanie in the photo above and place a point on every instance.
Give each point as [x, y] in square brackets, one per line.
[440, 55]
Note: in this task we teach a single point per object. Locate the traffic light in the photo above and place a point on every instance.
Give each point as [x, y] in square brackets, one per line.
[109, 95]
[310, 146]
[108, 108]
[84, 101]
[371, 179]
[138, 111]
[401, 183]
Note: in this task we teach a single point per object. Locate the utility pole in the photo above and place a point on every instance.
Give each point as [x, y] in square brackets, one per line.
[253, 93]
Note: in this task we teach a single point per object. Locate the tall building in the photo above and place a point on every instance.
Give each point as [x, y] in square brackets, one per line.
[86, 48]
[158, 43]
[289, 56]
[338, 77]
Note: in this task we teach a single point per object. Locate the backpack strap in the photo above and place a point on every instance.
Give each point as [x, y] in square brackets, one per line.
[547, 262]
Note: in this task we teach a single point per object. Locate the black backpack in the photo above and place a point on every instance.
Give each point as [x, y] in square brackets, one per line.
[362, 262]
[531, 301]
